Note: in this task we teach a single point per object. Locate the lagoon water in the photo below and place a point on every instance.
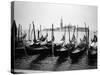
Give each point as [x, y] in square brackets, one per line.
[59, 34]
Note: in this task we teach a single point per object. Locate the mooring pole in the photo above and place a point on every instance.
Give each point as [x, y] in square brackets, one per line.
[86, 33]
[69, 32]
[34, 32]
[77, 32]
[52, 41]
[65, 34]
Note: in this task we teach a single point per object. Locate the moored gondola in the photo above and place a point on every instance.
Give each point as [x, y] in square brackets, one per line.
[92, 56]
[36, 49]
[78, 52]
[92, 53]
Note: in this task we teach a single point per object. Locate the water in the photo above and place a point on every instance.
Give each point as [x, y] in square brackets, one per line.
[59, 34]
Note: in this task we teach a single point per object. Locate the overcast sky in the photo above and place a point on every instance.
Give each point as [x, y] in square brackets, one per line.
[46, 14]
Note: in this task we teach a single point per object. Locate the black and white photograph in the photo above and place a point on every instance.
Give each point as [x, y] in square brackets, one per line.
[53, 37]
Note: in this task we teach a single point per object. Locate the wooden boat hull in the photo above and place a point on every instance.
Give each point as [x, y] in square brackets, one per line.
[77, 55]
[60, 52]
[92, 56]
[38, 50]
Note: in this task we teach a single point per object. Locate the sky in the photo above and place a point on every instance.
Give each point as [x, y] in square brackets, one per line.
[46, 14]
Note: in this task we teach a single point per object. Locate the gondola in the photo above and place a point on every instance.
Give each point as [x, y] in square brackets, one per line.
[36, 49]
[92, 53]
[61, 51]
[78, 52]
[40, 46]
[92, 56]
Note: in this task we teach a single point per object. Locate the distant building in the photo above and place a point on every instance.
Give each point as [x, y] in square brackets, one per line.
[71, 28]
[68, 27]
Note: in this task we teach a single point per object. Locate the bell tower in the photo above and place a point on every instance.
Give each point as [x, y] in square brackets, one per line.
[61, 24]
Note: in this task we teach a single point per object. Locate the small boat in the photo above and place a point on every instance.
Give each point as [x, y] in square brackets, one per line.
[77, 52]
[93, 46]
[92, 56]
[61, 51]
[36, 49]
[92, 53]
